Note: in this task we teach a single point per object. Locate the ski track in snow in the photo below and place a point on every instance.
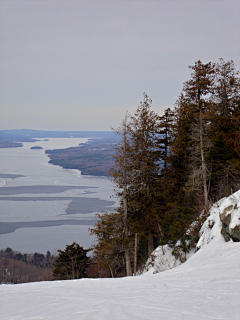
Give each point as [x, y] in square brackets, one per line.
[206, 287]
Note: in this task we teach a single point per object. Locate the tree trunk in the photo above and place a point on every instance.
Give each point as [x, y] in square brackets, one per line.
[204, 168]
[125, 214]
[127, 255]
[135, 255]
[150, 242]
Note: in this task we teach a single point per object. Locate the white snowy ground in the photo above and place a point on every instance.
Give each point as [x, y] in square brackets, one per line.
[207, 286]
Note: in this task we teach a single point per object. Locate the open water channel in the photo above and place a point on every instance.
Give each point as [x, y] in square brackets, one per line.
[44, 207]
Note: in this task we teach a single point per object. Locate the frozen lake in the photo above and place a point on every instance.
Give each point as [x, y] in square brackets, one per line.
[44, 207]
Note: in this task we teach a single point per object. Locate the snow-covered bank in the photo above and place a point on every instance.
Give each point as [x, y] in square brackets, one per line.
[226, 209]
[207, 286]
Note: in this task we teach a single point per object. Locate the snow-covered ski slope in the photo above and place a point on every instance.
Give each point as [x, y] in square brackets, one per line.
[207, 286]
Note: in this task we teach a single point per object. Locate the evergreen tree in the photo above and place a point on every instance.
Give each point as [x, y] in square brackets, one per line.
[204, 143]
[109, 251]
[187, 167]
[225, 131]
[197, 90]
[71, 263]
[146, 159]
[121, 175]
[136, 175]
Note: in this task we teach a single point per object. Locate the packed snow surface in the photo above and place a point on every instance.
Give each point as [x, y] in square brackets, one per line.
[207, 286]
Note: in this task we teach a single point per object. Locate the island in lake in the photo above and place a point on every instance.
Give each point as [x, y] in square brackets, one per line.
[36, 147]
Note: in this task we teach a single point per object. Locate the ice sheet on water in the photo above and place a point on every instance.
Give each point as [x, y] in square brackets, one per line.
[33, 172]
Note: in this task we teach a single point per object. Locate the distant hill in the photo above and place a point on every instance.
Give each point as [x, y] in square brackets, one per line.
[13, 138]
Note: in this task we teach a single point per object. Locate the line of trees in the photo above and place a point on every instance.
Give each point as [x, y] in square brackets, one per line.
[17, 267]
[170, 168]
[70, 263]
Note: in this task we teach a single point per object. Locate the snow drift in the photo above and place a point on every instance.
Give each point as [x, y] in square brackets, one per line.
[206, 286]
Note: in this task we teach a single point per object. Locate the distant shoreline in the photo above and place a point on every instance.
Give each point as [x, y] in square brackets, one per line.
[93, 158]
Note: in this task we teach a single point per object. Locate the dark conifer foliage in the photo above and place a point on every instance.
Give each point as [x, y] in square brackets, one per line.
[136, 175]
[145, 134]
[204, 151]
[71, 263]
[166, 122]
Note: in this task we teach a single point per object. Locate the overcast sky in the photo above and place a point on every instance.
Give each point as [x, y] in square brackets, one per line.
[79, 65]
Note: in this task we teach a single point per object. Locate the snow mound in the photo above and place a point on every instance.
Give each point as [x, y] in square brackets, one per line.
[165, 258]
[160, 260]
[213, 225]
[231, 206]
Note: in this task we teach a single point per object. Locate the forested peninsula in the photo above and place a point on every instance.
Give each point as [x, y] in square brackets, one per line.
[92, 158]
